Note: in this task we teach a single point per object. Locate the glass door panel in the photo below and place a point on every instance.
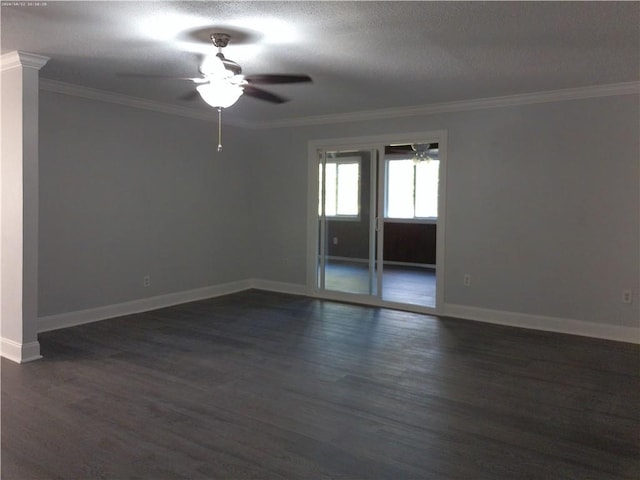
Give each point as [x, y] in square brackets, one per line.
[410, 187]
[346, 214]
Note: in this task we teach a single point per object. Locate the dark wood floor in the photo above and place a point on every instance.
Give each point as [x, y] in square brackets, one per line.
[271, 386]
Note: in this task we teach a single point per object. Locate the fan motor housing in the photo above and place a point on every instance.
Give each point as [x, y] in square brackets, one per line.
[220, 40]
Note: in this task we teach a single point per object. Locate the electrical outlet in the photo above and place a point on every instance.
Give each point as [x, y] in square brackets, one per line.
[466, 280]
[335, 240]
[146, 281]
[627, 297]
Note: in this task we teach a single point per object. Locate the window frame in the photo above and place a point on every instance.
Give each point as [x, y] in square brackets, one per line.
[340, 160]
[388, 159]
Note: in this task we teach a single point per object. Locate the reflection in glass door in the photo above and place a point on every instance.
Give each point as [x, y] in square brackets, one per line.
[346, 221]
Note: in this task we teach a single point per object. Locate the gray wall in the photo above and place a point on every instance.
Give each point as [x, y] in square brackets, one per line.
[542, 205]
[126, 193]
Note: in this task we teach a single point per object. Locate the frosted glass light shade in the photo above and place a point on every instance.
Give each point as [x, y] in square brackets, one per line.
[220, 94]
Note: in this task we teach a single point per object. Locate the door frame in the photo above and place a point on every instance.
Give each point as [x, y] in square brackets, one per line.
[375, 142]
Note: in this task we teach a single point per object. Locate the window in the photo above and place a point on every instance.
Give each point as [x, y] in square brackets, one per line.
[412, 189]
[342, 188]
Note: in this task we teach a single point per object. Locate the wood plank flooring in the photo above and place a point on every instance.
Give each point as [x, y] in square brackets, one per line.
[270, 386]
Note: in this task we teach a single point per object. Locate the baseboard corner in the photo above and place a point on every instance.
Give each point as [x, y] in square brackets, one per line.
[279, 287]
[75, 318]
[19, 352]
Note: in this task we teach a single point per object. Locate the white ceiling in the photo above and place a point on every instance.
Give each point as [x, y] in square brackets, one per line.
[362, 55]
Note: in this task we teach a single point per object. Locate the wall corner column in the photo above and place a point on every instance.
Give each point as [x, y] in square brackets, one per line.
[19, 104]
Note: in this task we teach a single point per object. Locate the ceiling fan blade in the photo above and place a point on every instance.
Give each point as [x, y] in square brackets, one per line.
[274, 78]
[398, 149]
[263, 94]
[408, 149]
[191, 95]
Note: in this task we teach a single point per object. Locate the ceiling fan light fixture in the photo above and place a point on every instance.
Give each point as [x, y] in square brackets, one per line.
[421, 152]
[220, 94]
[213, 66]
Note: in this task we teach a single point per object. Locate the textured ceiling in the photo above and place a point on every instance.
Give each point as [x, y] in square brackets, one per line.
[361, 55]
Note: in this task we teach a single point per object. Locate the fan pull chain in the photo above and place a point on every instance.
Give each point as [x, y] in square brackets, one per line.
[219, 129]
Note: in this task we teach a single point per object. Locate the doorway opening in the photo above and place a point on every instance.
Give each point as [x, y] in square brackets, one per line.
[410, 214]
[377, 228]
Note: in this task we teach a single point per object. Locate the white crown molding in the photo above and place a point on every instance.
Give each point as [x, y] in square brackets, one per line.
[22, 59]
[134, 102]
[627, 88]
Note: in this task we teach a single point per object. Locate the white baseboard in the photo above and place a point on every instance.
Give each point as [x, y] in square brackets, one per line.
[71, 319]
[280, 287]
[549, 324]
[23, 353]
[20, 352]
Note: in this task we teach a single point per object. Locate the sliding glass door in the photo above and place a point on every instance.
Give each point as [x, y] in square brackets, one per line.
[378, 227]
[346, 221]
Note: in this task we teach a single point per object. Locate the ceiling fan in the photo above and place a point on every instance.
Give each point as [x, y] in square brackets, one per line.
[419, 152]
[222, 82]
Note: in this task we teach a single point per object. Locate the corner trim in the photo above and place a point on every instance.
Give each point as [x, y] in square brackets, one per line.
[71, 319]
[539, 322]
[280, 287]
[17, 59]
[20, 352]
